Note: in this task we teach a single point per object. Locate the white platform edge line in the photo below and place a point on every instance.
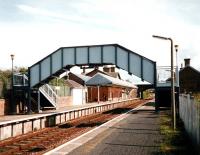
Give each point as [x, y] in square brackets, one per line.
[38, 116]
[93, 130]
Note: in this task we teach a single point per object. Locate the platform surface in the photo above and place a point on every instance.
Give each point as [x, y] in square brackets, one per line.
[13, 118]
[134, 133]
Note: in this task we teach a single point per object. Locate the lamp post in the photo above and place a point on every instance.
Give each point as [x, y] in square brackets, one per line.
[12, 83]
[177, 73]
[172, 80]
[177, 80]
[12, 58]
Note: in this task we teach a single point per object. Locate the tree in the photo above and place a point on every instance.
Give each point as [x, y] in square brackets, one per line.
[5, 78]
[23, 70]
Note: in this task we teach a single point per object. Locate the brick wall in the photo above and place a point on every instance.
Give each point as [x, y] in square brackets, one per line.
[133, 93]
[105, 93]
[93, 94]
[65, 101]
[115, 92]
[2, 107]
[1, 88]
[189, 80]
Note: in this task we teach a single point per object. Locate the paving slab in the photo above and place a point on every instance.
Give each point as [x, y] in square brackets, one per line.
[136, 132]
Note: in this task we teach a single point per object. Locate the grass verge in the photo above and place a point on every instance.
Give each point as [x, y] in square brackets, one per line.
[176, 141]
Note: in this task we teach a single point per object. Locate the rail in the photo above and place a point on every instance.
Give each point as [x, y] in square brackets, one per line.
[22, 126]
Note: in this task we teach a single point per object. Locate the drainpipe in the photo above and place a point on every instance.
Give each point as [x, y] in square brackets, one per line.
[98, 94]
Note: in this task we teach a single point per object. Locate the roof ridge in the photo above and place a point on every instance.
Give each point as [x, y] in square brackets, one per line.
[113, 81]
[191, 68]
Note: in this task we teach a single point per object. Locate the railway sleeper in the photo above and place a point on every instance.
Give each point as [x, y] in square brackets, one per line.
[12, 150]
[50, 137]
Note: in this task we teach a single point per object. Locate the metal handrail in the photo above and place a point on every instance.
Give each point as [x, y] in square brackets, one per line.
[164, 74]
[20, 79]
[49, 93]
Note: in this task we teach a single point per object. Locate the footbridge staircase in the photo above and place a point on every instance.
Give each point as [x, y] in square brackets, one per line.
[44, 93]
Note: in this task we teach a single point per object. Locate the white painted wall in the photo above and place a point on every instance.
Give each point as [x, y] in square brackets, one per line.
[78, 96]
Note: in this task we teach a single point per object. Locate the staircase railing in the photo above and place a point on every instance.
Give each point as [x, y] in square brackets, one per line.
[20, 79]
[48, 92]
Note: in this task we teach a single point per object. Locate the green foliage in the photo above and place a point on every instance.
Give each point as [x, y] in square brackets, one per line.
[148, 94]
[5, 77]
[5, 74]
[57, 82]
[196, 97]
[175, 141]
[23, 70]
[150, 104]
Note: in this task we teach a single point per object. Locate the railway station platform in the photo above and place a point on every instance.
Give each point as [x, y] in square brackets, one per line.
[16, 125]
[136, 132]
[15, 118]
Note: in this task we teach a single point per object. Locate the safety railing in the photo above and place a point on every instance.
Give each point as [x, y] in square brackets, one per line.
[20, 79]
[164, 76]
[48, 92]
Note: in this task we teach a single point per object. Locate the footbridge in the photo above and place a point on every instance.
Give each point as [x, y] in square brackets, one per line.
[110, 54]
[65, 58]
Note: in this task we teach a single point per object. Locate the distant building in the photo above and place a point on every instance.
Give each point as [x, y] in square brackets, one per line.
[102, 87]
[79, 78]
[110, 71]
[72, 93]
[107, 83]
[189, 78]
[77, 92]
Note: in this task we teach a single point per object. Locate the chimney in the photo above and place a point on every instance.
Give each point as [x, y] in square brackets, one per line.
[187, 62]
[84, 70]
[181, 66]
[109, 69]
[106, 69]
[112, 69]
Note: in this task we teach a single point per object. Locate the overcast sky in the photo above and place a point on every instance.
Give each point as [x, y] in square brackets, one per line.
[32, 29]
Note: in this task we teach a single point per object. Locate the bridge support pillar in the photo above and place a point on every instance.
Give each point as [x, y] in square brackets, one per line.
[29, 101]
[38, 105]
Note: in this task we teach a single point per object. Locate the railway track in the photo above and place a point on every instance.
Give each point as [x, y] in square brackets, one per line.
[41, 141]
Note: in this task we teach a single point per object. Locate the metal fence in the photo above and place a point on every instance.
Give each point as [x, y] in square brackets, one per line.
[189, 111]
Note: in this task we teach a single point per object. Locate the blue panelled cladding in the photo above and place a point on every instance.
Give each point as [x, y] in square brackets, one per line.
[114, 54]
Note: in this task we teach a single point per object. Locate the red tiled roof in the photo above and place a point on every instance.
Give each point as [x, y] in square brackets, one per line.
[73, 84]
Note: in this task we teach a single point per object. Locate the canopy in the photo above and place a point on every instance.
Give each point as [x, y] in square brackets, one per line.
[104, 80]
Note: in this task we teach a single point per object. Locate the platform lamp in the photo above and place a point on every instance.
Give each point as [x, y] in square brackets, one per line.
[173, 107]
[177, 80]
[177, 73]
[12, 83]
[12, 58]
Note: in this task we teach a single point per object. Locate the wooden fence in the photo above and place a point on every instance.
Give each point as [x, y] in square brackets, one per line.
[189, 111]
